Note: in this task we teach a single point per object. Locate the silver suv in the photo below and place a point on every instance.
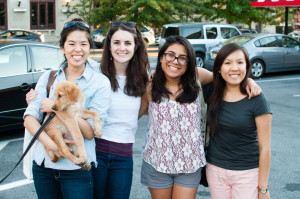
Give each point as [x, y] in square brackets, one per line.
[201, 35]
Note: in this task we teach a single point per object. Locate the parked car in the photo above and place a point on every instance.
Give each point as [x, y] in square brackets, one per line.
[22, 34]
[22, 62]
[201, 35]
[148, 35]
[267, 52]
[248, 30]
[295, 34]
[98, 38]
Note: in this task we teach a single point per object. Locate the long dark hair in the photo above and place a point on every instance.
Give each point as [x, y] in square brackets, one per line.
[187, 80]
[215, 101]
[136, 72]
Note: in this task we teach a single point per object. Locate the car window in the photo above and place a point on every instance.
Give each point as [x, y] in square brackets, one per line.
[239, 40]
[7, 35]
[211, 32]
[267, 42]
[13, 61]
[191, 33]
[46, 58]
[21, 34]
[170, 31]
[228, 32]
[288, 42]
[144, 29]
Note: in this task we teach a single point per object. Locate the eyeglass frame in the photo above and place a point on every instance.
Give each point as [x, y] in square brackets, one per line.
[165, 55]
[125, 23]
[80, 23]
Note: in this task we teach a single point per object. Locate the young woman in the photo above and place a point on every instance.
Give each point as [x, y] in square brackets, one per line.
[173, 155]
[125, 63]
[239, 151]
[64, 179]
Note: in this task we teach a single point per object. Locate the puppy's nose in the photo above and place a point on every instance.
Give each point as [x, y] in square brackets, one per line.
[54, 108]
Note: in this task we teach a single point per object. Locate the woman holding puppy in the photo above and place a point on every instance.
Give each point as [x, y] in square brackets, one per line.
[125, 63]
[64, 179]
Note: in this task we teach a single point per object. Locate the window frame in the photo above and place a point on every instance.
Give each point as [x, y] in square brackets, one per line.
[4, 27]
[46, 3]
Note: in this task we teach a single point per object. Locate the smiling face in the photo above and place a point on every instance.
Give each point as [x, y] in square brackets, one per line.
[233, 69]
[173, 69]
[122, 47]
[76, 48]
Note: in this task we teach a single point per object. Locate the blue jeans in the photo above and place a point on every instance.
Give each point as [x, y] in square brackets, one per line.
[58, 184]
[113, 176]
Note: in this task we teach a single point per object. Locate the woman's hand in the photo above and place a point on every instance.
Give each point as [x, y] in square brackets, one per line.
[46, 105]
[252, 88]
[31, 95]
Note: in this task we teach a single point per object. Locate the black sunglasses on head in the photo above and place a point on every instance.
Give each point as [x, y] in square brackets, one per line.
[72, 23]
[129, 24]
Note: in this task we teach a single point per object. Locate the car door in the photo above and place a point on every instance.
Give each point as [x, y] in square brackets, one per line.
[269, 50]
[291, 49]
[43, 58]
[15, 82]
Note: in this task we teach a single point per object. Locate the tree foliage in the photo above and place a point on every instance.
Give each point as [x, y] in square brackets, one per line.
[158, 12]
[238, 11]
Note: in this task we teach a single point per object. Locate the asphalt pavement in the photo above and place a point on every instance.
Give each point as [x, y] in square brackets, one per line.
[283, 93]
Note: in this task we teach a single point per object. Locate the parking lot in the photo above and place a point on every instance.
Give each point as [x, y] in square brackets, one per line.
[283, 94]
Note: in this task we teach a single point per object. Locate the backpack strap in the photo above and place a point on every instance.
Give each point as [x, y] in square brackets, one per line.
[51, 81]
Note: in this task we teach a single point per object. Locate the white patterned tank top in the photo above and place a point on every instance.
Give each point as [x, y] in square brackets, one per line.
[174, 142]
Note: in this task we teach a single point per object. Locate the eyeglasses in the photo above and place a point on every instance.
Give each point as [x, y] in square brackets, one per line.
[181, 60]
[72, 23]
[129, 24]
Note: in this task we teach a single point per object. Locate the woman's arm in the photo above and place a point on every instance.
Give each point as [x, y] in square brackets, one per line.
[32, 125]
[263, 124]
[85, 128]
[145, 101]
[252, 88]
[206, 77]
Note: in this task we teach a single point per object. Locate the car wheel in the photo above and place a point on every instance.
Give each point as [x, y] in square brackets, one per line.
[199, 60]
[258, 69]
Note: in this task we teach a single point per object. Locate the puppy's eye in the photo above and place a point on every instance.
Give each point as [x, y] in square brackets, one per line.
[59, 95]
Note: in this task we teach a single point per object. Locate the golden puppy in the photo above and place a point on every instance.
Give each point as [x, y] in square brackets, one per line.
[68, 98]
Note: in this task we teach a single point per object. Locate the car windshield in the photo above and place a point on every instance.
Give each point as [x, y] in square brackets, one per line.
[239, 40]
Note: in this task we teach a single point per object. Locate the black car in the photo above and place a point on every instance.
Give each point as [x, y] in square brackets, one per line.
[22, 62]
[22, 34]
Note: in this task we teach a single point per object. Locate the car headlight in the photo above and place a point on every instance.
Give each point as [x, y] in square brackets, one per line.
[213, 55]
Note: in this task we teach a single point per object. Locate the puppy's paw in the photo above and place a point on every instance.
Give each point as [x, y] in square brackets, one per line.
[98, 130]
[80, 161]
[87, 166]
[98, 134]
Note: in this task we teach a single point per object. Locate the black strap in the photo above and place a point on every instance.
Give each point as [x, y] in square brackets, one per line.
[31, 143]
[51, 80]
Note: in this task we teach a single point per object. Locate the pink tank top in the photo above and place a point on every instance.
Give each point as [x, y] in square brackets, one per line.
[174, 142]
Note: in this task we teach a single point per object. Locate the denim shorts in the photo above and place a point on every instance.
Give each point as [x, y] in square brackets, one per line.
[152, 178]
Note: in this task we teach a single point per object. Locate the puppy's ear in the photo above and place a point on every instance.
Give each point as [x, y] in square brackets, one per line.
[73, 92]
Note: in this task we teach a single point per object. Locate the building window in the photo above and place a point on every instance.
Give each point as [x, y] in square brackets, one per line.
[42, 14]
[3, 15]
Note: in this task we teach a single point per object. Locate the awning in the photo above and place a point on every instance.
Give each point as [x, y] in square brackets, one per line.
[275, 3]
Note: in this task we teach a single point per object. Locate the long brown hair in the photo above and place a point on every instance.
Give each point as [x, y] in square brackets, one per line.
[215, 101]
[136, 71]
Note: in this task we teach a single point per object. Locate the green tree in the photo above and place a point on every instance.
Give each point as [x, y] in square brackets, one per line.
[238, 11]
